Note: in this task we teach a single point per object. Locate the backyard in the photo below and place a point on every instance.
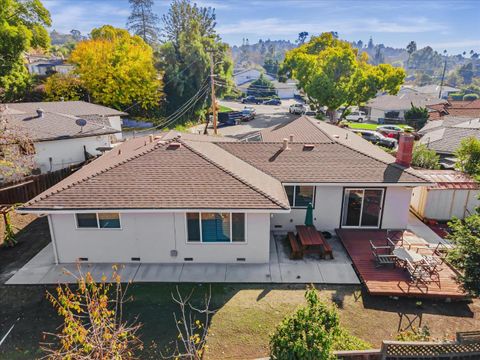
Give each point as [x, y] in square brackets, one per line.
[365, 126]
[245, 314]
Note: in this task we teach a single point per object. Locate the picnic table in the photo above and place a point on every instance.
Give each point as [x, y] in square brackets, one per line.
[312, 241]
[406, 254]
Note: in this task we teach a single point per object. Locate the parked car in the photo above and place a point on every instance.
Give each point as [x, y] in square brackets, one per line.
[310, 113]
[394, 131]
[297, 109]
[272, 102]
[248, 113]
[357, 116]
[377, 138]
[251, 100]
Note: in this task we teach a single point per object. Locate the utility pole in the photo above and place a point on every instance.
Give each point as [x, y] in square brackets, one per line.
[212, 83]
[443, 78]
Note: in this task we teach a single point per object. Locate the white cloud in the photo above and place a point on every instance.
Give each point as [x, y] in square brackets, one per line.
[466, 44]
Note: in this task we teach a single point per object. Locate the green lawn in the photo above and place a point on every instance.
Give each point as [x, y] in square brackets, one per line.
[363, 126]
[223, 108]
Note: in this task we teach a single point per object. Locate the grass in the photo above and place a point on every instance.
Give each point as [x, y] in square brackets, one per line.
[246, 314]
[363, 126]
[223, 108]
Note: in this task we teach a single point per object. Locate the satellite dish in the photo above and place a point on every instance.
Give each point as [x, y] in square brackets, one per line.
[81, 123]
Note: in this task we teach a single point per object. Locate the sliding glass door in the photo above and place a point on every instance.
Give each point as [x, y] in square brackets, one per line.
[362, 207]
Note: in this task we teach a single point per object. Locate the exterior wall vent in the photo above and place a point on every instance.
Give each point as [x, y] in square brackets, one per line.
[241, 259]
[82, 259]
[187, 259]
[173, 253]
[135, 259]
[278, 226]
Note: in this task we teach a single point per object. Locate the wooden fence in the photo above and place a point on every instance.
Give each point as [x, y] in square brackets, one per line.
[27, 188]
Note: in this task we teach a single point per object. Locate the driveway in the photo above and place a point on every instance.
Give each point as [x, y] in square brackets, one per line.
[267, 116]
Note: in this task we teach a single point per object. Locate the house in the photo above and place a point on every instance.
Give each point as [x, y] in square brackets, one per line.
[455, 108]
[286, 90]
[453, 194]
[49, 66]
[392, 108]
[246, 76]
[65, 133]
[436, 90]
[179, 198]
[445, 135]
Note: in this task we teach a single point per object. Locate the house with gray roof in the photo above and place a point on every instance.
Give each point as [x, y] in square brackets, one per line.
[64, 133]
[392, 108]
[186, 198]
[445, 135]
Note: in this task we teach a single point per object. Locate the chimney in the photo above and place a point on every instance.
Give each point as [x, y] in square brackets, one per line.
[405, 150]
[40, 112]
[291, 138]
[150, 138]
[285, 144]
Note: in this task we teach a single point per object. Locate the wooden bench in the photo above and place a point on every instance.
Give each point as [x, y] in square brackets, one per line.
[296, 249]
[327, 249]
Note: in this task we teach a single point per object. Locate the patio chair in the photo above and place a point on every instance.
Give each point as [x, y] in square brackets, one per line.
[417, 273]
[382, 255]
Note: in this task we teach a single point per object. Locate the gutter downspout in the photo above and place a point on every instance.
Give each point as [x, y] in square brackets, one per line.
[54, 242]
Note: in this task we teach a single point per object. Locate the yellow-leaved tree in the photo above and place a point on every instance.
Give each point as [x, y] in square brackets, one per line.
[117, 69]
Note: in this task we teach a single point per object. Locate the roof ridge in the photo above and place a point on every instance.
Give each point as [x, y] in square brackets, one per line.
[101, 171]
[315, 123]
[239, 178]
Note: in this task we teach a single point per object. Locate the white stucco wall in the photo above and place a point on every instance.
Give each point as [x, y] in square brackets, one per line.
[66, 152]
[151, 237]
[328, 207]
[116, 123]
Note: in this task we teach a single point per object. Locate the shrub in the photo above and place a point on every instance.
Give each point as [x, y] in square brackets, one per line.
[312, 332]
[422, 334]
[470, 97]
[468, 157]
[416, 117]
[456, 96]
[424, 157]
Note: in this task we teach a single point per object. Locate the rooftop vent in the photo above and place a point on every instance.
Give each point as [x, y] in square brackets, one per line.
[308, 147]
[285, 144]
[291, 138]
[174, 146]
[336, 136]
[40, 112]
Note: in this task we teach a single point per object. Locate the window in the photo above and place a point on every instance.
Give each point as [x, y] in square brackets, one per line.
[300, 196]
[362, 207]
[98, 221]
[215, 227]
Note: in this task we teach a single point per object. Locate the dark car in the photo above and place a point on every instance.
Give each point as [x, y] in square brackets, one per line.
[310, 113]
[378, 139]
[248, 114]
[251, 100]
[272, 102]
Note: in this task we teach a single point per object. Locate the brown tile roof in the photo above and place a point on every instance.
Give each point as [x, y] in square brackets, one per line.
[54, 126]
[302, 129]
[446, 140]
[77, 108]
[473, 104]
[326, 163]
[467, 112]
[143, 175]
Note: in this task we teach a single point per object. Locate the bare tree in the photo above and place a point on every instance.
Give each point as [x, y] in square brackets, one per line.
[192, 326]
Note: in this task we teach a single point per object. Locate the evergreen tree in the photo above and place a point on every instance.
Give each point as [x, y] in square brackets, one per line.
[142, 21]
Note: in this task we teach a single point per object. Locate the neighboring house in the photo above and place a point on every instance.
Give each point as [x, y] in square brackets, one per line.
[455, 108]
[65, 133]
[179, 198]
[286, 90]
[392, 108]
[49, 66]
[454, 194]
[436, 90]
[445, 135]
[247, 76]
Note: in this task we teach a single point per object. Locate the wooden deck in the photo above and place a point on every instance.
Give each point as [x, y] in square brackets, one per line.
[391, 281]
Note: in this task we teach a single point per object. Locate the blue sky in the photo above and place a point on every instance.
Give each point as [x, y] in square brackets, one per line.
[453, 25]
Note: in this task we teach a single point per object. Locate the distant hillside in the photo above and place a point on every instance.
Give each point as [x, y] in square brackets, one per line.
[255, 55]
[58, 38]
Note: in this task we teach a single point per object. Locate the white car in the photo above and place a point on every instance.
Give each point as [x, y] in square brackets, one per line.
[357, 116]
[297, 109]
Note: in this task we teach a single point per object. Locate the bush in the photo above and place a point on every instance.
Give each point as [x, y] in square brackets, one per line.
[422, 334]
[470, 97]
[416, 117]
[60, 87]
[312, 332]
[424, 157]
[468, 157]
[456, 96]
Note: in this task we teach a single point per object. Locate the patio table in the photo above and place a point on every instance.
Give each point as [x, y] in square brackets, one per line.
[310, 239]
[404, 254]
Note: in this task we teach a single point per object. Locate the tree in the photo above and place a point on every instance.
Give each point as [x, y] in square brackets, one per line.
[312, 332]
[424, 157]
[416, 116]
[332, 73]
[143, 21]
[370, 45]
[466, 72]
[76, 34]
[183, 18]
[465, 255]
[262, 87]
[93, 325]
[468, 157]
[302, 37]
[117, 69]
[22, 26]
[16, 151]
[185, 60]
[411, 48]
[64, 87]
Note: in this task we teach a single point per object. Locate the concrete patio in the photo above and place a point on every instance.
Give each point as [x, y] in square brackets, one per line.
[42, 269]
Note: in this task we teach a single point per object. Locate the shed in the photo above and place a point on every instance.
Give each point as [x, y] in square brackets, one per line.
[454, 194]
